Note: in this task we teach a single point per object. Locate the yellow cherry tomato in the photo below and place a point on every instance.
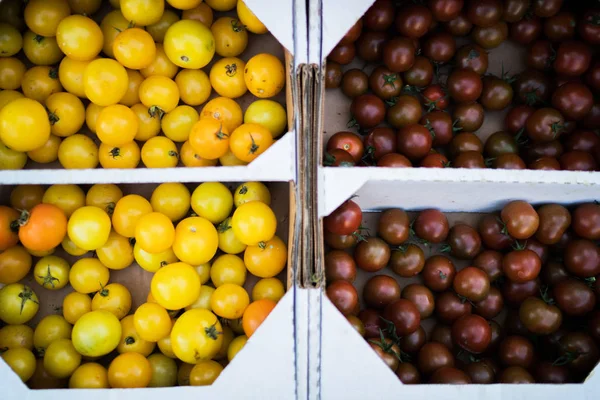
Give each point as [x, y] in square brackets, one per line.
[41, 50]
[21, 361]
[40, 82]
[172, 200]
[134, 48]
[189, 158]
[6, 96]
[79, 37]
[175, 286]
[75, 305]
[266, 259]
[11, 159]
[254, 222]
[158, 29]
[61, 358]
[47, 153]
[213, 201]
[203, 300]
[154, 232]
[66, 112]
[184, 4]
[228, 242]
[203, 271]
[16, 336]
[160, 94]
[12, 72]
[124, 156]
[249, 20]
[116, 125]
[251, 191]
[201, 13]
[89, 227]
[18, 303]
[41, 253]
[227, 77]
[160, 65]
[229, 301]
[196, 240]
[105, 82]
[231, 38]
[114, 298]
[24, 125]
[88, 275]
[52, 272]
[43, 17]
[127, 213]
[152, 322]
[131, 340]
[209, 139]
[116, 253]
[15, 263]
[70, 74]
[268, 288]
[228, 268]
[194, 86]
[96, 333]
[153, 262]
[78, 152]
[129, 370]
[177, 124]
[265, 75]
[221, 5]
[160, 152]
[196, 336]
[104, 196]
[25, 197]
[164, 371]
[228, 336]
[237, 344]
[86, 7]
[50, 328]
[164, 345]
[66, 197]
[112, 25]
[148, 125]
[132, 96]
[142, 12]
[89, 376]
[224, 110]
[249, 141]
[11, 40]
[205, 373]
[189, 44]
[70, 247]
[267, 113]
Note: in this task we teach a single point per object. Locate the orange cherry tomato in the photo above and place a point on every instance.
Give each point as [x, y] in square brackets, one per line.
[209, 139]
[255, 314]
[43, 228]
[8, 233]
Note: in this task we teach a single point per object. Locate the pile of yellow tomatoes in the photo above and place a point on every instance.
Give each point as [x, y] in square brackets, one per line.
[200, 245]
[135, 77]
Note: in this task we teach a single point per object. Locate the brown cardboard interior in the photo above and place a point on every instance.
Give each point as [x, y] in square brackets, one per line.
[136, 279]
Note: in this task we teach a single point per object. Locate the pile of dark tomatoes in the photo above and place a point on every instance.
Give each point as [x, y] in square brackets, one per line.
[421, 90]
[510, 298]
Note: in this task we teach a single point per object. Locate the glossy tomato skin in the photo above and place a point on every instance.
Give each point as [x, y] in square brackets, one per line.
[545, 124]
[380, 16]
[574, 297]
[340, 242]
[520, 218]
[484, 13]
[420, 74]
[492, 235]
[385, 83]
[469, 116]
[349, 142]
[582, 258]
[369, 46]
[481, 371]
[407, 261]
[399, 54]
[539, 317]
[515, 293]
[413, 342]
[353, 33]
[573, 58]
[380, 290]
[343, 53]
[464, 241]
[414, 141]
[344, 297]
[439, 47]
[490, 261]
[382, 141]
[577, 160]
[440, 123]
[372, 322]
[547, 372]
[394, 160]
[339, 265]
[449, 307]
[554, 221]
[388, 352]
[464, 85]
[583, 140]
[394, 226]
[434, 356]
[539, 55]
[588, 30]
[345, 220]
[492, 36]
[413, 21]
[354, 83]
[586, 221]
[491, 306]
[472, 333]
[521, 265]
[421, 297]
[406, 110]
[459, 26]
[333, 75]
[585, 349]
[526, 30]
[372, 254]
[408, 373]
[431, 225]
[368, 110]
[497, 94]
[574, 100]
[515, 374]
[450, 375]
[516, 351]
[445, 10]
[438, 273]
[472, 57]
[471, 283]
[435, 97]
[404, 315]
[465, 141]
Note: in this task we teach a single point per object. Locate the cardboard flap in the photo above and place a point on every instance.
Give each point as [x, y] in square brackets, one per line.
[278, 17]
[338, 18]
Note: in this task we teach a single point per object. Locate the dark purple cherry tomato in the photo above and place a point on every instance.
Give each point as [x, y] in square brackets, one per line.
[545, 164]
[343, 53]
[420, 74]
[345, 220]
[388, 351]
[413, 342]
[355, 82]
[520, 218]
[439, 124]
[339, 265]
[404, 315]
[435, 160]
[439, 47]
[333, 75]
[582, 258]
[526, 30]
[449, 307]
[431, 225]
[372, 322]
[539, 55]
[407, 260]
[492, 234]
[451, 376]
[547, 372]
[492, 36]
[539, 317]
[514, 10]
[414, 141]
[372, 254]
[438, 273]
[421, 297]
[368, 111]
[572, 58]
[546, 8]
[489, 261]
[413, 21]
[464, 242]
[553, 149]
[349, 142]
[500, 143]
[554, 221]
[532, 87]
[581, 352]
[484, 12]
[471, 283]
[385, 83]
[406, 110]
[574, 100]
[353, 33]
[465, 141]
[394, 226]
[445, 10]
[399, 54]
[464, 86]
[515, 293]
[588, 26]
[434, 356]
[379, 142]
[574, 297]
[560, 26]
[435, 97]
[583, 140]
[472, 333]
[473, 57]
[516, 117]
[497, 94]
[380, 290]
[394, 160]
[491, 306]
[442, 334]
[340, 242]
[469, 159]
[514, 375]
[408, 373]
[480, 372]
[380, 16]
[469, 116]
[516, 351]
[578, 161]
[356, 324]
[459, 26]
[586, 221]
[508, 161]
[344, 297]
[369, 46]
